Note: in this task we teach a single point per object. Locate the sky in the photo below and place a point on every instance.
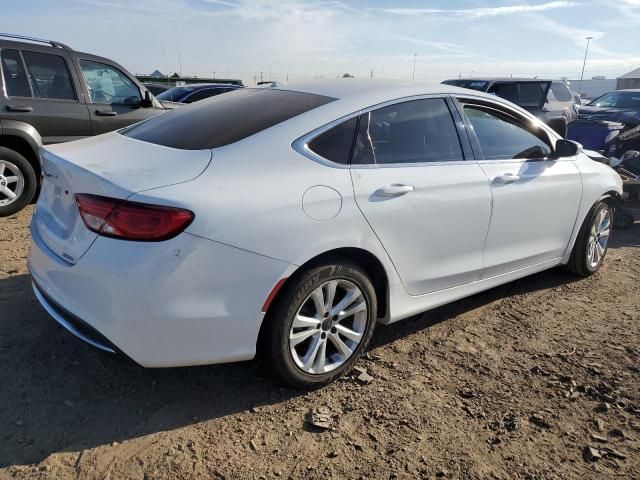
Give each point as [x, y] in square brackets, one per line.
[296, 39]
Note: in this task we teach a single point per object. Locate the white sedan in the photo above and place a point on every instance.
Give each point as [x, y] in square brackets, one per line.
[288, 221]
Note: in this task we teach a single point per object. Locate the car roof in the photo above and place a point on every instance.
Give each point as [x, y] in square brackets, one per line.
[503, 79]
[376, 90]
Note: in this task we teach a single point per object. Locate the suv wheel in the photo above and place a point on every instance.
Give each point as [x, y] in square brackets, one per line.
[321, 324]
[17, 182]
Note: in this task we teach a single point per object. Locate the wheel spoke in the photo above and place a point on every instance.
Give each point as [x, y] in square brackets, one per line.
[317, 296]
[604, 233]
[330, 293]
[351, 296]
[312, 352]
[352, 310]
[2, 167]
[300, 321]
[342, 347]
[8, 193]
[296, 338]
[321, 357]
[600, 249]
[12, 179]
[348, 333]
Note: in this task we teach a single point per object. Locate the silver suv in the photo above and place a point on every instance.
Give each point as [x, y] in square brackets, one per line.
[50, 93]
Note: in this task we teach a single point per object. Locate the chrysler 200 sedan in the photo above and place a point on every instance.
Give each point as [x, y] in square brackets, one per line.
[289, 221]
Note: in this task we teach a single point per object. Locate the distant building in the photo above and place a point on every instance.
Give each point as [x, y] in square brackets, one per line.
[592, 88]
[157, 73]
[629, 80]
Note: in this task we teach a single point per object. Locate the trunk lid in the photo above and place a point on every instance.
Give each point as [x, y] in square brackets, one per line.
[111, 165]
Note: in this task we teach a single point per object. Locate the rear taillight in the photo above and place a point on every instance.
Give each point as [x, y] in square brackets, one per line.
[126, 220]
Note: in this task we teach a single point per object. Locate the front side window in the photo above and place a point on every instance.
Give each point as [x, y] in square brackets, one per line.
[49, 76]
[15, 78]
[503, 138]
[417, 131]
[108, 85]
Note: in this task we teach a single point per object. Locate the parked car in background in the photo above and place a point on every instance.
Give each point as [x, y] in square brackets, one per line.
[156, 88]
[50, 93]
[620, 106]
[549, 100]
[194, 92]
[397, 198]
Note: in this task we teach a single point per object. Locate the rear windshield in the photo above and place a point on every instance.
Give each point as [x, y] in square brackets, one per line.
[525, 94]
[175, 94]
[472, 84]
[224, 119]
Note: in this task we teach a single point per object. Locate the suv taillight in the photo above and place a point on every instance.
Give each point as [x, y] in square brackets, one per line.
[126, 220]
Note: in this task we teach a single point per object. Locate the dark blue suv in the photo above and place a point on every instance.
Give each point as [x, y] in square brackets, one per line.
[194, 92]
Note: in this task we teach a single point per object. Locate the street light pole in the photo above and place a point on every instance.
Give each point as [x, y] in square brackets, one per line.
[413, 75]
[583, 65]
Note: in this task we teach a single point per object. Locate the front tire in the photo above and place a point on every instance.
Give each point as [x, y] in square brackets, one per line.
[320, 324]
[17, 182]
[593, 239]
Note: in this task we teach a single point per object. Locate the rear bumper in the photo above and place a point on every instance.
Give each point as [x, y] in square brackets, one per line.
[186, 301]
[73, 324]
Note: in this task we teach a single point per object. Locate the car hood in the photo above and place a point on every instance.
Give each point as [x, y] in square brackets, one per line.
[628, 116]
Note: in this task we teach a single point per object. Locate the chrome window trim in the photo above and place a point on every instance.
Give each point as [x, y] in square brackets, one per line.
[301, 145]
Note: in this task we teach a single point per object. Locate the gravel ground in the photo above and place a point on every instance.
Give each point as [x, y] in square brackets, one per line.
[516, 382]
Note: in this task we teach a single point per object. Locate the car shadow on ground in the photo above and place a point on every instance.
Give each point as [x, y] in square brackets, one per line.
[58, 394]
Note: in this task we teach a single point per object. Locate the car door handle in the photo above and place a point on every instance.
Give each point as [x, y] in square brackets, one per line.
[394, 190]
[106, 113]
[20, 108]
[507, 178]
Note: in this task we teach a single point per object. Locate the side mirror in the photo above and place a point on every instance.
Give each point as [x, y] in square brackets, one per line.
[567, 148]
[147, 101]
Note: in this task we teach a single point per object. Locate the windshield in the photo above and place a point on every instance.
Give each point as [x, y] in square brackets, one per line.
[175, 94]
[618, 100]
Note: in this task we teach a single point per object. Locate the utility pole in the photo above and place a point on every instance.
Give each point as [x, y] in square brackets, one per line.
[214, 75]
[413, 75]
[371, 73]
[261, 76]
[584, 63]
[180, 62]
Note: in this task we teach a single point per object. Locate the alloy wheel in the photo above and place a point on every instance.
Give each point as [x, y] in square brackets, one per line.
[328, 327]
[598, 238]
[11, 183]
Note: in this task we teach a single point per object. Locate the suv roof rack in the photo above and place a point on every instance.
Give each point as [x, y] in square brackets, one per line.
[33, 39]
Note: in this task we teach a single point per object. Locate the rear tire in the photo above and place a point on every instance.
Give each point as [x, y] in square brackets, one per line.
[17, 182]
[593, 239]
[312, 336]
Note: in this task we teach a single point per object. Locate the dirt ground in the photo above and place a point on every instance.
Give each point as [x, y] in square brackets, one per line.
[516, 382]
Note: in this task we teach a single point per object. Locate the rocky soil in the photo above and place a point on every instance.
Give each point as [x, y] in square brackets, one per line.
[537, 379]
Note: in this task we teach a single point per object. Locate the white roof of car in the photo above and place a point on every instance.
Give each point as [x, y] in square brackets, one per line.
[344, 88]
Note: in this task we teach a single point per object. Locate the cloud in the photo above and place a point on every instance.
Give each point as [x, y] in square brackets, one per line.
[483, 12]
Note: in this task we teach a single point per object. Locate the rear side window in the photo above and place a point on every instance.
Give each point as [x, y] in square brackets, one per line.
[15, 78]
[525, 94]
[335, 144]
[417, 131]
[561, 92]
[224, 119]
[49, 76]
[502, 138]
